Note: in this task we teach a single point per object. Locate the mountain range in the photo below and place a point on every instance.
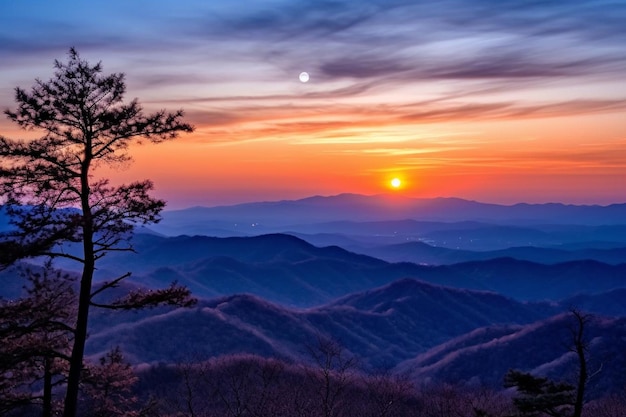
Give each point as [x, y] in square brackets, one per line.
[381, 326]
[385, 207]
[432, 333]
[443, 290]
[290, 271]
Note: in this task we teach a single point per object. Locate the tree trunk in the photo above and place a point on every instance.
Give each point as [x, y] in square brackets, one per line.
[47, 389]
[80, 337]
[84, 298]
[580, 347]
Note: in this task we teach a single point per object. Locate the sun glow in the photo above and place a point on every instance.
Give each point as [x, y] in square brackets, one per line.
[396, 183]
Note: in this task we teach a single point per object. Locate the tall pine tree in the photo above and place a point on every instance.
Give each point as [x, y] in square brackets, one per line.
[51, 193]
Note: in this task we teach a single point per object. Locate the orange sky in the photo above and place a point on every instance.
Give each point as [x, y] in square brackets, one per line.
[506, 161]
[521, 104]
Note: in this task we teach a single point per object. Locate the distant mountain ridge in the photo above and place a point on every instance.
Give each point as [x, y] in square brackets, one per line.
[265, 215]
[423, 253]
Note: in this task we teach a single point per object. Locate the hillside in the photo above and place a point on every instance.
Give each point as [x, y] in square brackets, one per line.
[381, 327]
[483, 356]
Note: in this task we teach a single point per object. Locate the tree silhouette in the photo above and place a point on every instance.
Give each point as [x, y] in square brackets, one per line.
[580, 347]
[52, 196]
[333, 372]
[109, 387]
[540, 395]
[35, 340]
[557, 399]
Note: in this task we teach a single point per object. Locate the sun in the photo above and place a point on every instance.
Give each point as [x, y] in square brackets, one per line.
[396, 183]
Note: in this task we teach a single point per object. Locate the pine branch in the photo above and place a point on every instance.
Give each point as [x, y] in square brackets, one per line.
[173, 296]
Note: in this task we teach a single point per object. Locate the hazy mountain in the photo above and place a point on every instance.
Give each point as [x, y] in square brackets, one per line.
[610, 303]
[263, 217]
[532, 281]
[455, 235]
[382, 327]
[483, 356]
[420, 252]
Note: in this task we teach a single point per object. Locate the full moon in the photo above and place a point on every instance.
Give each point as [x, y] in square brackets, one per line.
[304, 77]
[395, 183]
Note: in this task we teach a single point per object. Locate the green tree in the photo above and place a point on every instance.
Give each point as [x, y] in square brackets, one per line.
[52, 196]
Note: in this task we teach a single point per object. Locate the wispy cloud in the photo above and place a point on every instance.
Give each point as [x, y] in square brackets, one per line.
[385, 74]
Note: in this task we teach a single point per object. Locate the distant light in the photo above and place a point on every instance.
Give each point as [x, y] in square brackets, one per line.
[304, 77]
[395, 183]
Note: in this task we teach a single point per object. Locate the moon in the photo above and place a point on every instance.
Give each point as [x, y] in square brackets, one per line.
[304, 77]
[396, 183]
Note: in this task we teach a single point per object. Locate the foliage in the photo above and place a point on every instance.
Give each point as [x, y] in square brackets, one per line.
[108, 387]
[540, 395]
[35, 339]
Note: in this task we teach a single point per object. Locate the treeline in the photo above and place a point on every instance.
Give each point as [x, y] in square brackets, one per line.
[330, 385]
[247, 385]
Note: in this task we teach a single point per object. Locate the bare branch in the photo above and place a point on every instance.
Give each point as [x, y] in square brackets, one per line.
[110, 284]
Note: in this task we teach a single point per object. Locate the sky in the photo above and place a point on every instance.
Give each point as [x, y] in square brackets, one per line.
[496, 101]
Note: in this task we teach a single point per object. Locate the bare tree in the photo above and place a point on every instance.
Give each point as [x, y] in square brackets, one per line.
[333, 373]
[580, 346]
[387, 395]
[50, 192]
[609, 406]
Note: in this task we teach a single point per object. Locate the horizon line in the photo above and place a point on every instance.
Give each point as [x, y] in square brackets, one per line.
[389, 195]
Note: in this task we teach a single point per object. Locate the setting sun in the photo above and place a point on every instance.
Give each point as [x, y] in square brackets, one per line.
[396, 183]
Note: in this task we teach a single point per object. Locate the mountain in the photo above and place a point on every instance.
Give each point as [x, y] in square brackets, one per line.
[610, 303]
[264, 217]
[278, 267]
[455, 235]
[420, 252]
[526, 280]
[483, 356]
[381, 327]
[287, 270]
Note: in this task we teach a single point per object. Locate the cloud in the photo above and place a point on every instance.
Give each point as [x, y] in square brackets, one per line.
[363, 67]
[420, 62]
